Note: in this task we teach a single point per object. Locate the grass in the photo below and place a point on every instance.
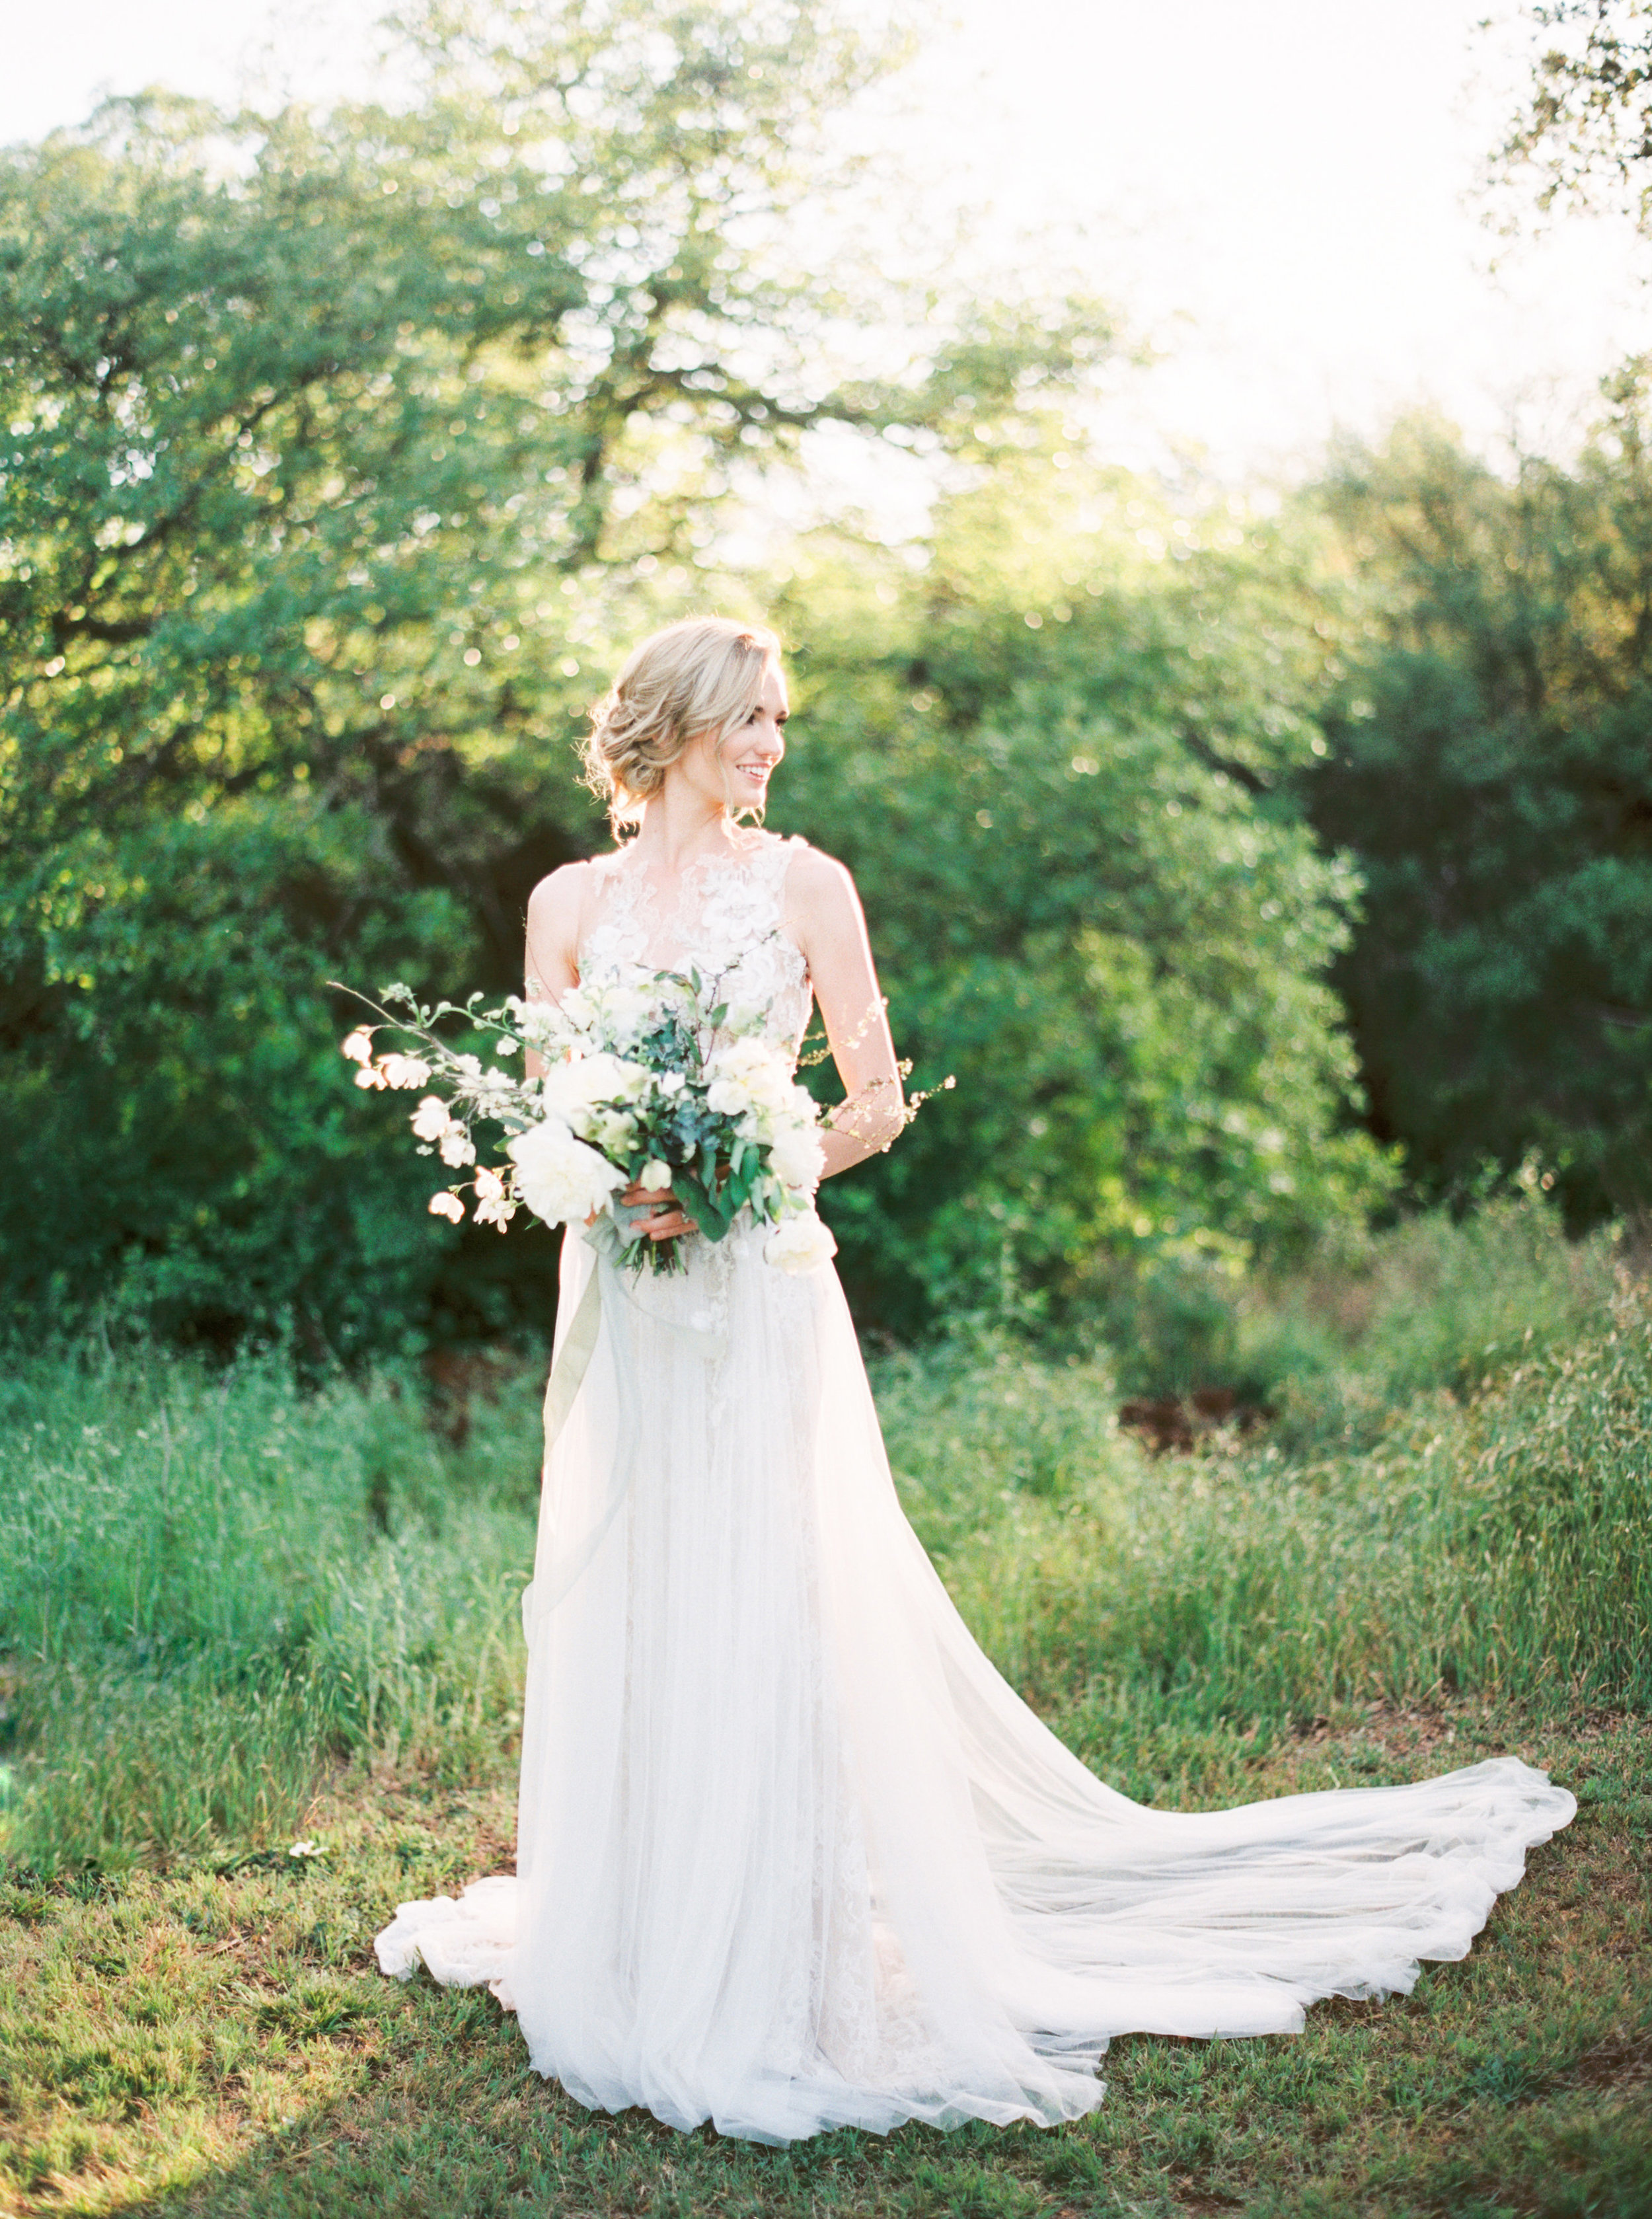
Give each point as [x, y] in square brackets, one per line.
[236, 1615]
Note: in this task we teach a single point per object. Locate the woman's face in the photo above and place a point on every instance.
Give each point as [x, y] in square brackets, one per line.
[735, 775]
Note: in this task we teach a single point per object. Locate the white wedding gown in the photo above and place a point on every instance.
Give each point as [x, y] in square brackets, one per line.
[791, 1854]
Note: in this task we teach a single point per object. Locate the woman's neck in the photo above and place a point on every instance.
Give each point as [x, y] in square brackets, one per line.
[677, 828]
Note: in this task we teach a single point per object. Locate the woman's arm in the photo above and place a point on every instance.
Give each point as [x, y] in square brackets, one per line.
[824, 915]
[552, 965]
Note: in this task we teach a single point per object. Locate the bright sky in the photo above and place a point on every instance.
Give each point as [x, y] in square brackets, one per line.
[1277, 189]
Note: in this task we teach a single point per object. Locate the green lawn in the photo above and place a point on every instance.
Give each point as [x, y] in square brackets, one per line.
[217, 2041]
[236, 1615]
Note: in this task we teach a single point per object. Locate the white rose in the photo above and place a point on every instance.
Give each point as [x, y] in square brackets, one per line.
[655, 1176]
[559, 1177]
[800, 1244]
[797, 1157]
[729, 1097]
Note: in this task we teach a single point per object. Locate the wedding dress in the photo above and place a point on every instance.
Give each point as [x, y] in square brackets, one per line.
[791, 1854]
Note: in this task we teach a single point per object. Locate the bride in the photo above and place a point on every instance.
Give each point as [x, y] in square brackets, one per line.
[791, 1854]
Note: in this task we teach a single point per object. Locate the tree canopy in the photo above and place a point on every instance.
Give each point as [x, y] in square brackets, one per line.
[1586, 128]
[1489, 768]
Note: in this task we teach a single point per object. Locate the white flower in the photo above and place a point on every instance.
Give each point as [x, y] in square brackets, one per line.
[370, 1075]
[458, 1146]
[447, 1205]
[797, 1157]
[306, 1849]
[800, 1244]
[494, 1203]
[750, 1075]
[575, 1008]
[614, 1132]
[573, 1090]
[404, 1070]
[624, 1011]
[669, 1084]
[358, 1045]
[559, 1177]
[729, 1097]
[655, 1176]
[431, 1120]
[542, 1024]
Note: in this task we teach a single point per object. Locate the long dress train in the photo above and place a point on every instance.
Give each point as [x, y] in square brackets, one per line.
[791, 1854]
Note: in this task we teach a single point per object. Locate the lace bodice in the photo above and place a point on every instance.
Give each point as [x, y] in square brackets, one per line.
[727, 921]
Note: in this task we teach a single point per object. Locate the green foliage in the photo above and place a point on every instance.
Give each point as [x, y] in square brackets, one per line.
[211, 1584]
[1053, 765]
[185, 1149]
[341, 450]
[1586, 128]
[1490, 694]
[1432, 1303]
[1498, 1544]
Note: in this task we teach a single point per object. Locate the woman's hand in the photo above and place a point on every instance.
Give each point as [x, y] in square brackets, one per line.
[667, 1220]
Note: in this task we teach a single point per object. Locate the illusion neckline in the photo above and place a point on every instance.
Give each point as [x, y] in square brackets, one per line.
[745, 847]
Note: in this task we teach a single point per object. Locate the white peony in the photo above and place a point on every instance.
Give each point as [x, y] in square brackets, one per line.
[797, 1157]
[749, 1074]
[573, 1090]
[729, 1097]
[559, 1177]
[800, 1244]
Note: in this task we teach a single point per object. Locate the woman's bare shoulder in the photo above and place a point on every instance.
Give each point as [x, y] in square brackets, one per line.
[815, 879]
[565, 887]
[556, 905]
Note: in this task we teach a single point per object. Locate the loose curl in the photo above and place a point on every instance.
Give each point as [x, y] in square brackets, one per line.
[700, 674]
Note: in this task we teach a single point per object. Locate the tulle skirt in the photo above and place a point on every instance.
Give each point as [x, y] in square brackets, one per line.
[791, 1854]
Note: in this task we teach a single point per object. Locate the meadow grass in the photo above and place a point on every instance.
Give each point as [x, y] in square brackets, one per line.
[236, 1613]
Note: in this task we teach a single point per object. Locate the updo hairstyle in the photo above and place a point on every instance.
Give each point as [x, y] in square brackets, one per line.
[700, 674]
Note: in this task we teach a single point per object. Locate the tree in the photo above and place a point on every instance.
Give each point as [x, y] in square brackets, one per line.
[340, 449]
[1490, 700]
[1058, 766]
[1587, 127]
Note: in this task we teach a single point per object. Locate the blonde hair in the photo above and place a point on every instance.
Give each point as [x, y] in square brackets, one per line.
[700, 674]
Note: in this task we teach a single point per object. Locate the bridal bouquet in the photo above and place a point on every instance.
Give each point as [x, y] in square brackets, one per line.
[644, 1085]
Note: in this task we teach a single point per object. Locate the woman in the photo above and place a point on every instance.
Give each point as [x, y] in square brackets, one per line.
[791, 1854]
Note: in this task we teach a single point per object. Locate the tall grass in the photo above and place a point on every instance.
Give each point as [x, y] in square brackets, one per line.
[211, 1587]
[1456, 1493]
